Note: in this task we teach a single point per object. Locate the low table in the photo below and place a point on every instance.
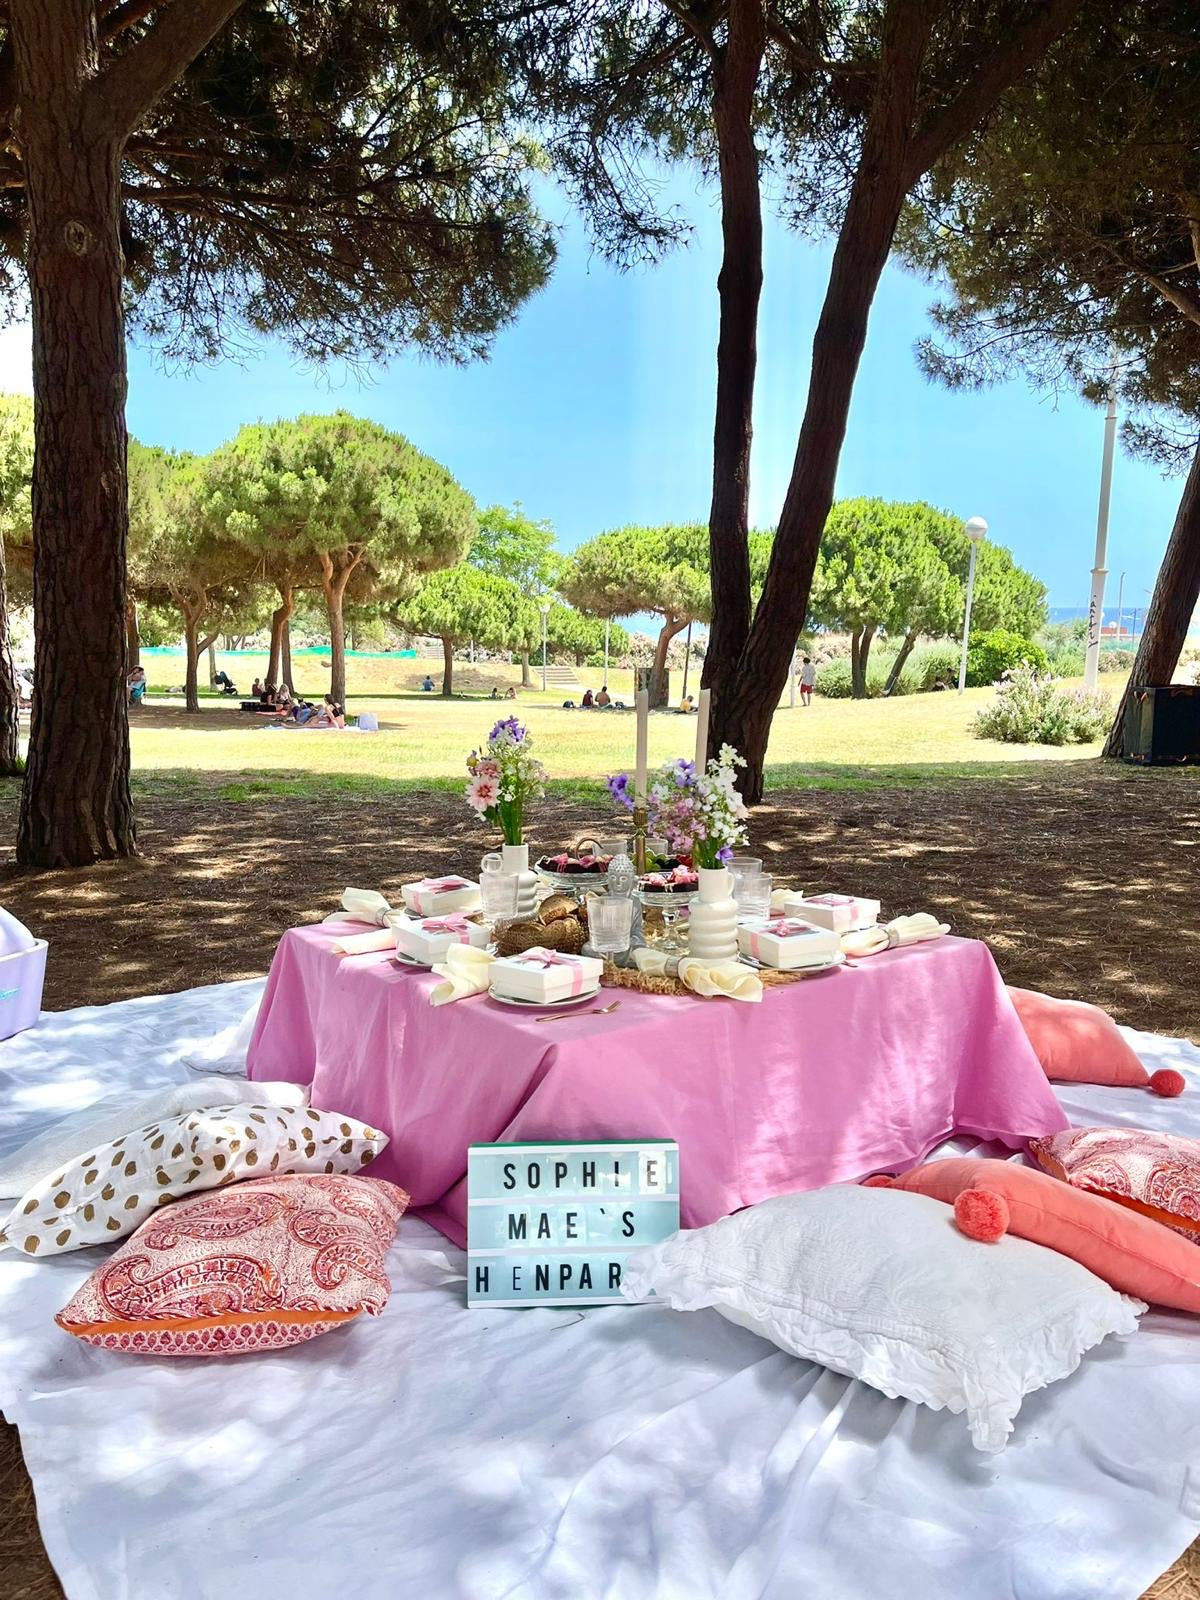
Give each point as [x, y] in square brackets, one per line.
[862, 1068]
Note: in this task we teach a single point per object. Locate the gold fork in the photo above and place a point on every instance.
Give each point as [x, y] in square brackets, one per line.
[592, 1011]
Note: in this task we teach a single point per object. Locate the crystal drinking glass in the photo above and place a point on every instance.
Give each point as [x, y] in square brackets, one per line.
[610, 923]
[753, 894]
[498, 896]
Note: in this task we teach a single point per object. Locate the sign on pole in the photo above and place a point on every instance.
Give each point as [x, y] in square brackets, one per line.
[553, 1224]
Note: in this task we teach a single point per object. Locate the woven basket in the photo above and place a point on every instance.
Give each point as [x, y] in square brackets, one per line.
[660, 983]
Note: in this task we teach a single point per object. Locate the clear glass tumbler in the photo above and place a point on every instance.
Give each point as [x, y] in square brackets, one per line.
[753, 894]
[610, 923]
[498, 897]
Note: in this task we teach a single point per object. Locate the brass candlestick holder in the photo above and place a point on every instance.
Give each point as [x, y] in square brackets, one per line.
[641, 823]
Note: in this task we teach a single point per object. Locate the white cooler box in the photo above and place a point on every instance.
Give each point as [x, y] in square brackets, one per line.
[22, 975]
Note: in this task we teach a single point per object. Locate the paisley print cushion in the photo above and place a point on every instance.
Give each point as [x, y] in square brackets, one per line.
[266, 1264]
[1157, 1174]
[103, 1195]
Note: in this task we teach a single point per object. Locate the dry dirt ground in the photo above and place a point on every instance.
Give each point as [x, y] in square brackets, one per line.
[1083, 879]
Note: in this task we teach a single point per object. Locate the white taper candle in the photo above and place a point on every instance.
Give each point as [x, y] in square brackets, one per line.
[702, 729]
[642, 703]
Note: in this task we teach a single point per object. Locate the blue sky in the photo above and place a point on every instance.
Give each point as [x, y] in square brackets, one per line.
[596, 410]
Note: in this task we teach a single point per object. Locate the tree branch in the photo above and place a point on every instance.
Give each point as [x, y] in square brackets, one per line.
[1025, 45]
[122, 94]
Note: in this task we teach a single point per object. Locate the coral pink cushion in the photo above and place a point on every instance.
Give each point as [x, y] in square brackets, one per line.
[1157, 1174]
[1130, 1252]
[256, 1266]
[1076, 1042]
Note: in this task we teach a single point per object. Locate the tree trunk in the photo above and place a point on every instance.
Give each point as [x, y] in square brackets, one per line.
[658, 678]
[1176, 591]
[902, 655]
[739, 286]
[191, 677]
[447, 667]
[212, 661]
[279, 621]
[860, 650]
[10, 701]
[334, 578]
[285, 656]
[133, 638]
[76, 806]
[526, 679]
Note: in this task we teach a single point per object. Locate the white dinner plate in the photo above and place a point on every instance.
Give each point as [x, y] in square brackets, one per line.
[405, 960]
[546, 1005]
[835, 960]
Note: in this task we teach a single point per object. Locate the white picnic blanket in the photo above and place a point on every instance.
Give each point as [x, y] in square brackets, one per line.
[629, 1453]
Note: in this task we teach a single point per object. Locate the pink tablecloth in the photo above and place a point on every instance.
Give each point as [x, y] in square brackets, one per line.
[861, 1069]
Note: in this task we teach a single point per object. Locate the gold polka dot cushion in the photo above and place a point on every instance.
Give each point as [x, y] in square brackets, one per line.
[105, 1194]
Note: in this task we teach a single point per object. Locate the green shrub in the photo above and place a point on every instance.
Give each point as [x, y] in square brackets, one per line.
[833, 679]
[1029, 709]
[998, 651]
[932, 664]
[1066, 660]
[1116, 660]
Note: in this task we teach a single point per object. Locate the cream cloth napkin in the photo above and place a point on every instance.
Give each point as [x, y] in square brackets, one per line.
[467, 970]
[369, 906]
[916, 929]
[780, 897]
[728, 978]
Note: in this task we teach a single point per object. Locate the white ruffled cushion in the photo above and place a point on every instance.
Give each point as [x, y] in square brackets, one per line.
[881, 1285]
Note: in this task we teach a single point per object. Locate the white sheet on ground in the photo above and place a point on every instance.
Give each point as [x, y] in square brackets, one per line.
[623, 1454]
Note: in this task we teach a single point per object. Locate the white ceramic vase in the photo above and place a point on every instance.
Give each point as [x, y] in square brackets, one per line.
[712, 920]
[515, 859]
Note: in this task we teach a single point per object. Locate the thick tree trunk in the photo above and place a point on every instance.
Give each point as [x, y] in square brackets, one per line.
[658, 679]
[75, 807]
[1176, 592]
[742, 715]
[739, 286]
[10, 701]
[279, 620]
[191, 676]
[212, 661]
[334, 578]
[285, 656]
[860, 651]
[526, 678]
[898, 665]
[447, 667]
[133, 638]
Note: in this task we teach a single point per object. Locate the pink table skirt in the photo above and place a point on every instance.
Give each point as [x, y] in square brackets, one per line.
[862, 1069]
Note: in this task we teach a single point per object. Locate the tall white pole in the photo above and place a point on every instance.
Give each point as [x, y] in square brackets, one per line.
[607, 625]
[687, 660]
[792, 683]
[1120, 607]
[1091, 666]
[962, 665]
[545, 609]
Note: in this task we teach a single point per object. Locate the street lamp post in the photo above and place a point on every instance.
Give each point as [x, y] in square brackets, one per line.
[545, 608]
[1091, 666]
[976, 531]
[607, 625]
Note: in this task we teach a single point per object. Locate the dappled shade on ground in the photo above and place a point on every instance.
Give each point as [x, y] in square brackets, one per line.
[1081, 876]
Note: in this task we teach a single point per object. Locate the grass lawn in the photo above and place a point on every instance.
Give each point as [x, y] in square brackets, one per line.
[839, 744]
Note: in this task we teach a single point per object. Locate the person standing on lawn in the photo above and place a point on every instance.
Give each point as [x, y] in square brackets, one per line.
[808, 678]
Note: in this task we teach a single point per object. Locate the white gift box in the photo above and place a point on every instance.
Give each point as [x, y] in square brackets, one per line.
[431, 897]
[428, 938]
[787, 943]
[544, 975]
[842, 912]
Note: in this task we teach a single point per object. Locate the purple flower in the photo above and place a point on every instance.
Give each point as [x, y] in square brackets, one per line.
[685, 773]
[509, 726]
[618, 787]
[725, 853]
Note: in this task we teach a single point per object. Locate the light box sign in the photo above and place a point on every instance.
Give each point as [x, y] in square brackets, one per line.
[553, 1224]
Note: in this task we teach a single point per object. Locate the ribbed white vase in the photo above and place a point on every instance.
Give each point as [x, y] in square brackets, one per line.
[712, 921]
[515, 859]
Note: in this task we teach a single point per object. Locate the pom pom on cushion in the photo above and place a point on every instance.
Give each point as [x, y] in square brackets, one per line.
[981, 1214]
[1168, 1082]
[1128, 1251]
[1076, 1042]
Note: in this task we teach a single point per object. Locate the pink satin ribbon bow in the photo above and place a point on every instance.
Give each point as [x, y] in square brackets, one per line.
[441, 885]
[831, 900]
[456, 924]
[551, 958]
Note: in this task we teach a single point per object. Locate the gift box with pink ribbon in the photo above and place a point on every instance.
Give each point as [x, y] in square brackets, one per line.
[840, 912]
[433, 897]
[545, 975]
[428, 938]
[787, 942]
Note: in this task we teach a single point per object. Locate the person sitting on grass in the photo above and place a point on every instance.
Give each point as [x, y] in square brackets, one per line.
[510, 693]
[225, 683]
[331, 715]
[136, 684]
[283, 699]
[495, 694]
[267, 697]
[588, 701]
[687, 705]
[426, 684]
[603, 698]
[256, 693]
